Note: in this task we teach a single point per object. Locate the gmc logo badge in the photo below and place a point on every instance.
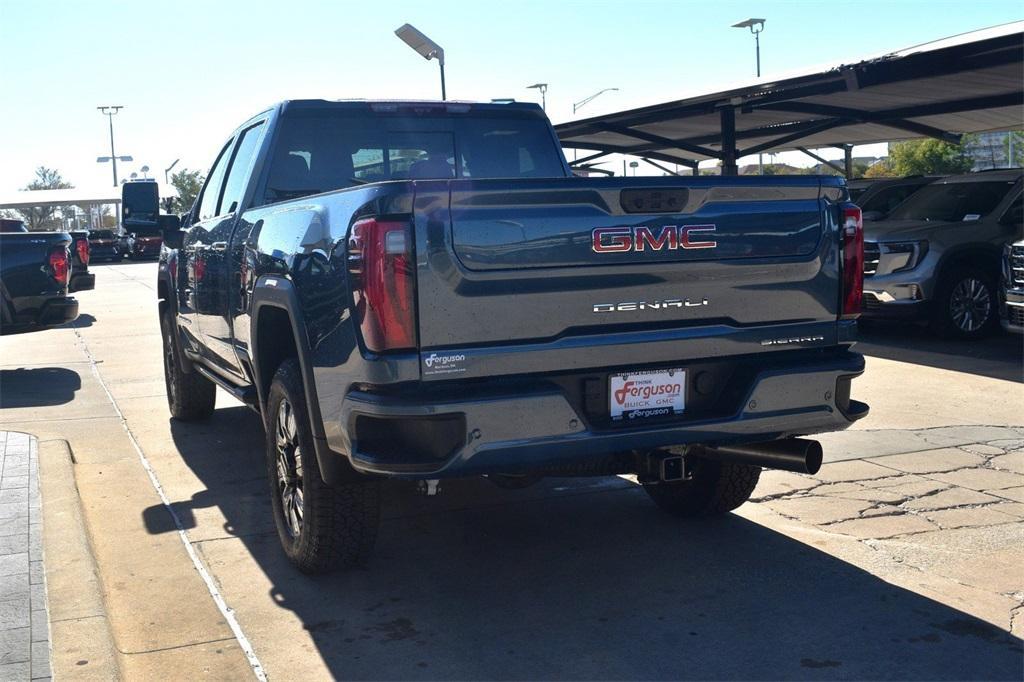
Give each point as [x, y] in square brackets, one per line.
[670, 237]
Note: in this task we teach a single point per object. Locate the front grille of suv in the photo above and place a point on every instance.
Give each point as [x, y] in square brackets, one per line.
[871, 256]
[1017, 265]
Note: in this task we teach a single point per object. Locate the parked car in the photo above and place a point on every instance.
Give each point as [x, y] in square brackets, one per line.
[423, 290]
[81, 253]
[35, 269]
[882, 196]
[103, 245]
[1012, 312]
[142, 246]
[937, 255]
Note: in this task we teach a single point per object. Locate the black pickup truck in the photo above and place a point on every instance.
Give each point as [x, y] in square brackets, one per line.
[35, 271]
[423, 290]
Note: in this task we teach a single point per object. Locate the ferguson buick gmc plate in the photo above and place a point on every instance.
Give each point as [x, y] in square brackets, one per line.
[654, 393]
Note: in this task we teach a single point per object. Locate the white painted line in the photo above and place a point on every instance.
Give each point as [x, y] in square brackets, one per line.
[218, 598]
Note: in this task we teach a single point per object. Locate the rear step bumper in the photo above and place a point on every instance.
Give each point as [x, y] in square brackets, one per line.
[494, 433]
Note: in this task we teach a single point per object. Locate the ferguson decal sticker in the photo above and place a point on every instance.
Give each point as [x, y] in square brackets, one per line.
[444, 363]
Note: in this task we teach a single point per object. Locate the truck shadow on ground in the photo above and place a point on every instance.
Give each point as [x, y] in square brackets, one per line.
[37, 386]
[576, 579]
[999, 356]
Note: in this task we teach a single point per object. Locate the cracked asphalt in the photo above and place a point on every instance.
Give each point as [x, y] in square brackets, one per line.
[900, 560]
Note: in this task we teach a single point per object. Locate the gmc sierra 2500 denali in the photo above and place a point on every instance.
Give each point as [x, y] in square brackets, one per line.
[423, 290]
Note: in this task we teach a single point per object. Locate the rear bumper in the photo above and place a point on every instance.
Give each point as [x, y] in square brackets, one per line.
[82, 281]
[54, 312]
[479, 431]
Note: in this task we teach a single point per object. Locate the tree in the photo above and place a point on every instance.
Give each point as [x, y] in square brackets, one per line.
[188, 183]
[929, 157]
[40, 218]
[879, 169]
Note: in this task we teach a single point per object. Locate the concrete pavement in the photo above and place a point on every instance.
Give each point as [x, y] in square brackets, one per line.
[897, 566]
[24, 622]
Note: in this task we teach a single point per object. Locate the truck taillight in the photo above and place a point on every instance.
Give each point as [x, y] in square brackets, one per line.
[82, 245]
[853, 261]
[382, 271]
[60, 267]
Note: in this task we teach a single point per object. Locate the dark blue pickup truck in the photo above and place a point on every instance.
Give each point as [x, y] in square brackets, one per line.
[35, 274]
[423, 290]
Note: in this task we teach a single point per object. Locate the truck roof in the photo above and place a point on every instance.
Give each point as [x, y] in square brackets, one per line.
[392, 105]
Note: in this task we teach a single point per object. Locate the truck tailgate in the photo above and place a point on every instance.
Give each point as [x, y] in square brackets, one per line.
[544, 275]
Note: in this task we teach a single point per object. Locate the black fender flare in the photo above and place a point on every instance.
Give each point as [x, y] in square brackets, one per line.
[273, 291]
[986, 255]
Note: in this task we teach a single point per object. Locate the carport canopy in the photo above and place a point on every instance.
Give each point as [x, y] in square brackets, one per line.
[967, 83]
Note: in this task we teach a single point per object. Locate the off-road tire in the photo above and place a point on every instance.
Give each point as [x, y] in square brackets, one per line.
[338, 525]
[715, 488]
[942, 320]
[190, 395]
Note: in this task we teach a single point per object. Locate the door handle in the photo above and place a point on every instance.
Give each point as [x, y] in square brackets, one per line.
[219, 246]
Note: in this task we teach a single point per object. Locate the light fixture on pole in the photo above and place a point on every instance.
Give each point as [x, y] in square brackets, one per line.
[168, 170]
[425, 47]
[755, 26]
[110, 112]
[543, 87]
[579, 105]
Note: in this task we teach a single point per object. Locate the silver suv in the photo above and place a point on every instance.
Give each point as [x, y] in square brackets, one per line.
[937, 255]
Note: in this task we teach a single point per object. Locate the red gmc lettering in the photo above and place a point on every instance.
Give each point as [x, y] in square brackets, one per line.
[691, 244]
[667, 238]
[621, 239]
[670, 238]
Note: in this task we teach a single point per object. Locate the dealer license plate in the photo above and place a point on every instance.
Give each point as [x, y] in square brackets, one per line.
[655, 393]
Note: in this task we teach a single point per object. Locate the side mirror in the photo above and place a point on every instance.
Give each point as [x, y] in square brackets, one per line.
[872, 215]
[170, 230]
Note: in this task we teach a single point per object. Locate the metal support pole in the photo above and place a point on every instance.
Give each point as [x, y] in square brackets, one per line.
[444, 93]
[113, 158]
[729, 141]
[757, 47]
[848, 161]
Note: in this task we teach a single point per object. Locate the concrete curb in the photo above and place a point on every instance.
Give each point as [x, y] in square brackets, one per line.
[83, 648]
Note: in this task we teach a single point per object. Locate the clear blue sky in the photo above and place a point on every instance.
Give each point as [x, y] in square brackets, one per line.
[189, 72]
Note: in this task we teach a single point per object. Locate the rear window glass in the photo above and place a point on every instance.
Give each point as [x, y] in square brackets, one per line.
[953, 202]
[323, 150]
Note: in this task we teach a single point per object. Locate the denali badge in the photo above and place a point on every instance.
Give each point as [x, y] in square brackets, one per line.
[671, 237]
[630, 306]
[795, 339]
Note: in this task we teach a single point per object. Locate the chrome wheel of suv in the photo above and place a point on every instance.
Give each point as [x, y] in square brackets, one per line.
[970, 305]
[289, 468]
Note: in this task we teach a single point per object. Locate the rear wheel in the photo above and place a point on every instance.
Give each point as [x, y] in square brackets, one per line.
[714, 488]
[321, 527]
[190, 396]
[965, 304]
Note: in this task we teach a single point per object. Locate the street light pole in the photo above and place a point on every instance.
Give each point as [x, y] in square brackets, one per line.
[425, 47]
[543, 87]
[110, 112]
[579, 105]
[576, 106]
[756, 26]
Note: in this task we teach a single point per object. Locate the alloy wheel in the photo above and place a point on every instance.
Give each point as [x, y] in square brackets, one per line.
[970, 305]
[289, 468]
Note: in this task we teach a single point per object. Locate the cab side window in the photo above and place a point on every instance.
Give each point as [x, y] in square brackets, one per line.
[234, 187]
[211, 190]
